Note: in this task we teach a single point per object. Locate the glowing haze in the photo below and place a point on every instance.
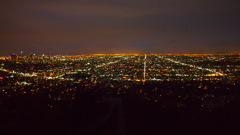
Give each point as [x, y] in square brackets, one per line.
[119, 26]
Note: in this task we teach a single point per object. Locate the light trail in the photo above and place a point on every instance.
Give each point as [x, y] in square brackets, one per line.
[109, 63]
[194, 66]
[144, 69]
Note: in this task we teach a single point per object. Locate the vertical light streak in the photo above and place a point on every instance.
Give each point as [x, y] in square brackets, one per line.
[144, 70]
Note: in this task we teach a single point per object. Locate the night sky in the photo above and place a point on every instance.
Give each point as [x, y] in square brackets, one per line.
[119, 26]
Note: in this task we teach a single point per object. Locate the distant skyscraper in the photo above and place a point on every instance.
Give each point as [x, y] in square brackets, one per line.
[21, 53]
[13, 56]
[30, 55]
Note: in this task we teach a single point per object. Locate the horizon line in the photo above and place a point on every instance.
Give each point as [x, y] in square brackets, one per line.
[130, 54]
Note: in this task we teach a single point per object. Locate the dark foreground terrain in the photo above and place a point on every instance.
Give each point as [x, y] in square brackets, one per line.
[96, 113]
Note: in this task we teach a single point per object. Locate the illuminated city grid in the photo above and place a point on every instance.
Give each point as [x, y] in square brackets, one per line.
[152, 77]
[126, 67]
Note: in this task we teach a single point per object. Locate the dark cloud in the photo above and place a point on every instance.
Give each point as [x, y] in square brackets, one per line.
[119, 26]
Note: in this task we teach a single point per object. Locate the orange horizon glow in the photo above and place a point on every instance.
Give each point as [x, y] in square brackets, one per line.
[117, 54]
